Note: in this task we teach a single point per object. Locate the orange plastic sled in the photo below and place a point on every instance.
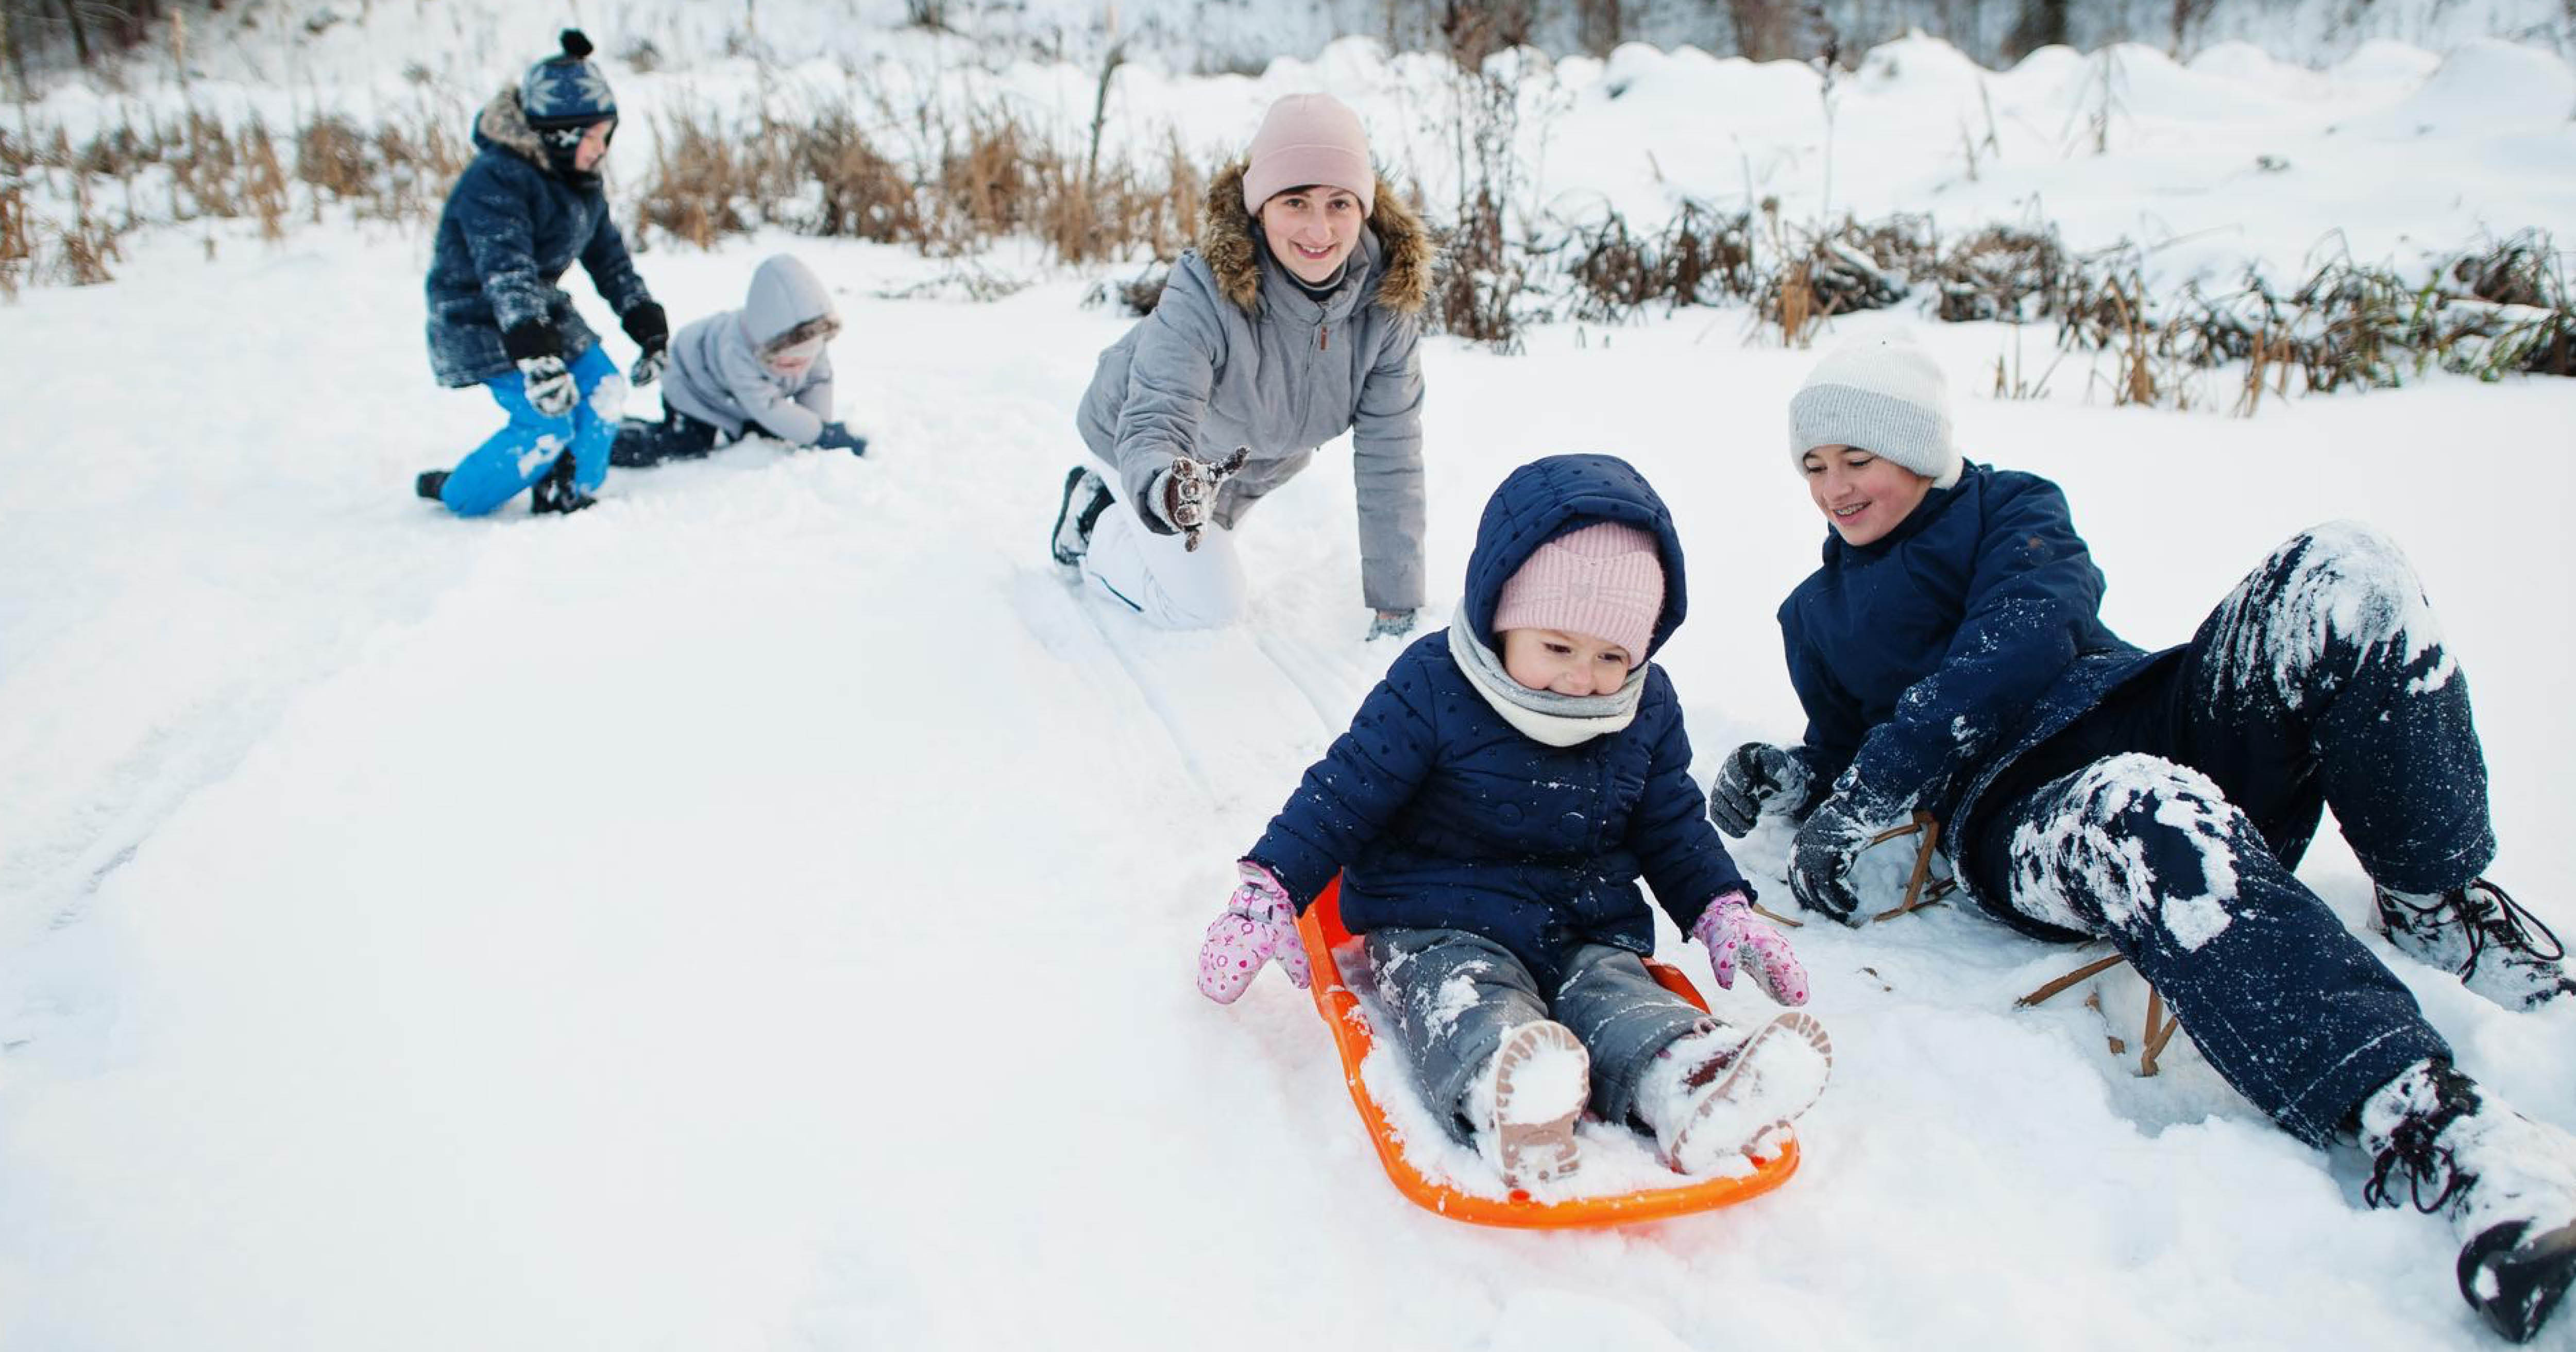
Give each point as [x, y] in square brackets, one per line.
[1321, 928]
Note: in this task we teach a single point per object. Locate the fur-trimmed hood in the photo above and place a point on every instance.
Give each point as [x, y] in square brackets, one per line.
[504, 123]
[1230, 242]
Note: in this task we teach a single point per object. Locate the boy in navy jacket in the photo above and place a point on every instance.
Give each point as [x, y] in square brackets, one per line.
[526, 207]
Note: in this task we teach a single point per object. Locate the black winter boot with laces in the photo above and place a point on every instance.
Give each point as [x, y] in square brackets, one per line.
[2506, 1183]
[2480, 934]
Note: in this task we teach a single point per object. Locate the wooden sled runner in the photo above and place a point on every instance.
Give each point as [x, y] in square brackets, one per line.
[1321, 928]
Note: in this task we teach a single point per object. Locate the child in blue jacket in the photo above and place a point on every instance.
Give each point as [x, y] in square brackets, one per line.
[1952, 660]
[1490, 812]
[527, 206]
[760, 370]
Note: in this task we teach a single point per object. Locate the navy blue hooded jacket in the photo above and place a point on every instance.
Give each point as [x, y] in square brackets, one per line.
[1930, 658]
[1441, 815]
[510, 228]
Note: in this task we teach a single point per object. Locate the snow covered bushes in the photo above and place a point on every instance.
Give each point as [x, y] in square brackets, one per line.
[83, 197]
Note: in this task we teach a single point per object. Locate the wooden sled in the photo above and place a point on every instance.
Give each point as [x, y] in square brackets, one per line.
[1321, 928]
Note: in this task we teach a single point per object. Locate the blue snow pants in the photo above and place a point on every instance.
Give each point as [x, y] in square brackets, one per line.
[2168, 820]
[1455, 996]
[529, 444]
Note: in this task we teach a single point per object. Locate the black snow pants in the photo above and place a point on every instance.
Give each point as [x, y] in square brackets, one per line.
[2168, 820]
[677, 437]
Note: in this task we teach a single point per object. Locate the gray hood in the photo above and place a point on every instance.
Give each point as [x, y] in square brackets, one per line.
[784, 294]
[716, 374]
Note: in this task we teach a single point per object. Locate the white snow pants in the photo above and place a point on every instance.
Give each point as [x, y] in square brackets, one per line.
[1158, 577]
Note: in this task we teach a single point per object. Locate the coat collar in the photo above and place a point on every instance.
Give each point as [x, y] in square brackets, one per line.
[1229, 243]
[504, 123]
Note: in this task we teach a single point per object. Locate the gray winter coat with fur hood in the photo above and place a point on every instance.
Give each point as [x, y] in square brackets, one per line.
[716, 374]
[1236, 354]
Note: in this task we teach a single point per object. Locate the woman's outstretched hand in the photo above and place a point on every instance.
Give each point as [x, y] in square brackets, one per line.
[1259, 925]
[1733, 934]
[1189, 491]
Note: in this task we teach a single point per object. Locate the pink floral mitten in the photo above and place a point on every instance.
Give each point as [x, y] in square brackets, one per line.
[1259, 925]
[1730, 930]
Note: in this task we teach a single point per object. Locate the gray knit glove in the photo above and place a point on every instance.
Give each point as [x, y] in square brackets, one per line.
[1757, 778]
[1390, 624]
[1185, 494]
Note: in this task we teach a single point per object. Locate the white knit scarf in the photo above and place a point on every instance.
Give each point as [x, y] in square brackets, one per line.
[1543, 715]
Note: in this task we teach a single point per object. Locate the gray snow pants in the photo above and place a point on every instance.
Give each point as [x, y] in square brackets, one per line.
[2170, 818]
[1455, 995]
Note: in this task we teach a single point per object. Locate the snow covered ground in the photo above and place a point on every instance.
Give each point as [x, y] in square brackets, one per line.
[760, 912]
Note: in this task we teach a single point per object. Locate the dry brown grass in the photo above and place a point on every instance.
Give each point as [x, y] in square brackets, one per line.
[84, 246]
[1700, 257]
[707, 182]
[862, 194]
[264, 191]
[333, 156]
[990, 177]
[987, 184]
[17, 233]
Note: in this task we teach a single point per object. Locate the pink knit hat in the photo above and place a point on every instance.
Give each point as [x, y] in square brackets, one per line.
[1308, 138]
[1605, 580]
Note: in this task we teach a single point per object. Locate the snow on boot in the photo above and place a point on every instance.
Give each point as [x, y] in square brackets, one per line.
[431, 484]
[2506, 1183]
[1527, 1101]
[557, 492]
[1712, 1096]
[1085, 498]
[2482, 935]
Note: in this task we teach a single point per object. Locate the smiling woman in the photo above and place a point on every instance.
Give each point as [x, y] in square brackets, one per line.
[1293, 321]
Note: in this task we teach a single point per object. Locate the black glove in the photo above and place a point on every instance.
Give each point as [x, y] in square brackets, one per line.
[551, 390]
[835, 437]
[1390, 624]
[531, 339]
[1757, 778]
[1189, 491]
[1821, 862]
[651, 330]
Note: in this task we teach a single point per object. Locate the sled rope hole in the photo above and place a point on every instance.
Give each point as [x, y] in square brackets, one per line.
[1917, 896]
[2161, 1025]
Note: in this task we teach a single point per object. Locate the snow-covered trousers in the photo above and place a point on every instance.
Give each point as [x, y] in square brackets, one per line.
[1160, 578]
[529, 444]
[2170, 817]
[1454, 995]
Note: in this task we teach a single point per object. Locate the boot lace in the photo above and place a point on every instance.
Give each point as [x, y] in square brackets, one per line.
[2414, 1149]
[2491, 918]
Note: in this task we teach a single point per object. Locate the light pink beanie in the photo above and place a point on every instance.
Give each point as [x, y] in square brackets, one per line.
[1308, 138]
[1605, 580]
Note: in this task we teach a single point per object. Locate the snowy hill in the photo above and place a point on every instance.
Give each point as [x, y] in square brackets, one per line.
[759, 912]
[472, 42]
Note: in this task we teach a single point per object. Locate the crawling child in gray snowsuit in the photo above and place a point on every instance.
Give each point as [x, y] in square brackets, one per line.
[760, 370]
